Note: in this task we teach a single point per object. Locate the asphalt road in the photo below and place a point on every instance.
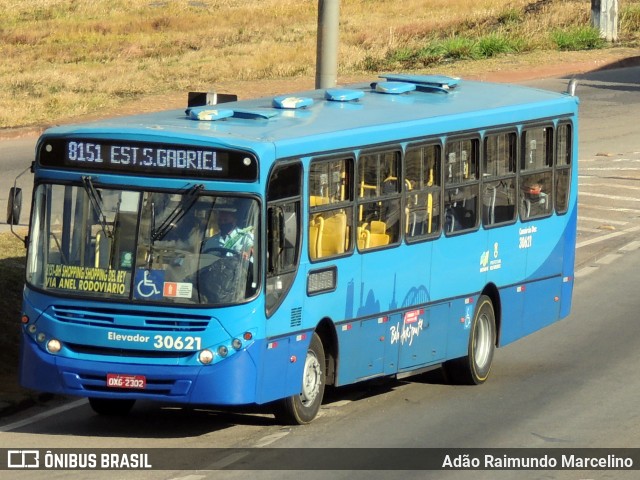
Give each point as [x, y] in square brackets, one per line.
[574, 384]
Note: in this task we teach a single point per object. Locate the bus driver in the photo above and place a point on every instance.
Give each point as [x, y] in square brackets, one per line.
[230, 237]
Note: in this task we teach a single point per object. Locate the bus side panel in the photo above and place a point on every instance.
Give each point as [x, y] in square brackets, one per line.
[422, 335]
[512, 303]
[568, 263]
[362, 349]
[541, 304]
[281, 367]
[545, 250]
[459, 326]
[456, 265]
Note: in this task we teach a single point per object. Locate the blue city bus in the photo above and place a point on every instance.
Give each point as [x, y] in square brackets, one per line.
[255, 251]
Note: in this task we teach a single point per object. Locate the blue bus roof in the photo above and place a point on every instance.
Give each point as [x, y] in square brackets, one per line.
[398, 107]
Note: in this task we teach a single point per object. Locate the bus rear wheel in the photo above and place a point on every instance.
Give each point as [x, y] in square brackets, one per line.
[474, 368]
[303, 408]
[111, 407]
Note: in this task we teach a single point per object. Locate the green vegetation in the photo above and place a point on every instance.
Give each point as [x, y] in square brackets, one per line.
[578, 38]
[447, 50]
[63, 59]
[12, 270]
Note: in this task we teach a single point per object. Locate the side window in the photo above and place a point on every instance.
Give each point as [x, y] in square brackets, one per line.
[283, 231]
[499, 178]
[461, 193]
[378, 191]
[563, 167]
[536, 174]
[422, 192]
[330, 207]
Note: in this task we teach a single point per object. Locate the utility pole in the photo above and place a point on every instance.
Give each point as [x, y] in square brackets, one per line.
[327, 47]
[604, 16]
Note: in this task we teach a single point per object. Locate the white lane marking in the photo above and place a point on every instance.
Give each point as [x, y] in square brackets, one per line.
[602, 220]
[43, 415]
[609, 169]
[609, 197]
[269, 439]
[610, 186]
[189, 477]
[609, 236]
[607, 259]
[631, 246]
[582, 206]
[589, 230]
[228, 460]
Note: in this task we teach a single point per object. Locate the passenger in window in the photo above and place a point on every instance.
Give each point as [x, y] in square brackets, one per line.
[535, 197]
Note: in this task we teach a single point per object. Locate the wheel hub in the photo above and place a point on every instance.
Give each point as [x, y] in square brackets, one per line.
[311, 380]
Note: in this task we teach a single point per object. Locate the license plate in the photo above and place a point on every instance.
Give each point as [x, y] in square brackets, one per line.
[118, 380]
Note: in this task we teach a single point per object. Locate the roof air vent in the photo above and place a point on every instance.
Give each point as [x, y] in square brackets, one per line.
[425, 82]
[342, 95]
[292, 103]
[394, 88]
[208, 113]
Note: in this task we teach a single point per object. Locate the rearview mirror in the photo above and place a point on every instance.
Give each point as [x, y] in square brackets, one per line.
[14, 206]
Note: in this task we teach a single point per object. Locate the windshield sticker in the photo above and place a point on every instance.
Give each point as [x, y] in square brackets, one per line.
[86, 279]
[126, 260]
[149, 284]
[177, 289]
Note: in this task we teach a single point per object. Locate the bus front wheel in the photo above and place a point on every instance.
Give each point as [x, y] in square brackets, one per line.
[111, 407]
[302, 408]
[474, 368]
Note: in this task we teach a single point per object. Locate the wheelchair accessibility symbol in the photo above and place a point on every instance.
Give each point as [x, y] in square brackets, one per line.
[149, 283]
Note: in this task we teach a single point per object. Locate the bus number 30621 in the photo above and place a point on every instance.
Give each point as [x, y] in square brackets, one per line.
[177, 343]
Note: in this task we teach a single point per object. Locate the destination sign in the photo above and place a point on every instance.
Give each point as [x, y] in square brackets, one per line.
[148, 158]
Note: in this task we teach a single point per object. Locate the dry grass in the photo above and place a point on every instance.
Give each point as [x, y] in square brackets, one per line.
[64, 58]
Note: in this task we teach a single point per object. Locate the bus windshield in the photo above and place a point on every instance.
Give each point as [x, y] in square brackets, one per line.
[143, 246]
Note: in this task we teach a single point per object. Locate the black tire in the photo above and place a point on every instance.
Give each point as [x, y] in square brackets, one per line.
[303, 408]
[111, 407]
[474, 368]
[14, 206]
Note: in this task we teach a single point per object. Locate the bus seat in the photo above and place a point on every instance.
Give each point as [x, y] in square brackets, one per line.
[315, 233]
[378, 234]
[364, 238]
[332, 237]
[497, 204]
[378, 226]
[316, 200]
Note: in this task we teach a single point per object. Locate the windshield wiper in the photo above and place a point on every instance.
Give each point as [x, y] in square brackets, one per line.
[176, 214]
[96, 203]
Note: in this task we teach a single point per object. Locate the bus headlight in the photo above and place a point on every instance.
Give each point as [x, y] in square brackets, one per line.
[205, 357]
[54, 345]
